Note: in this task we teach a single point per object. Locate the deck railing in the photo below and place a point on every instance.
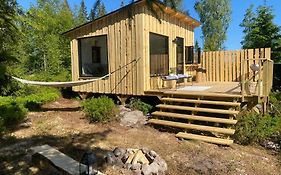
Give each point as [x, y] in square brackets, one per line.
[235, 66]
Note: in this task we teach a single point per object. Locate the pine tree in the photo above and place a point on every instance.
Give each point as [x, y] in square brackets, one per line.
[122, 4]
[66, 5]
[176, 4]
[82, 13]
[215, 18]
[8, 33]
[98, 10]
[260, 31]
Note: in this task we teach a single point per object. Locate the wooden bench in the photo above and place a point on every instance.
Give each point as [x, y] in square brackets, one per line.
[46, 156]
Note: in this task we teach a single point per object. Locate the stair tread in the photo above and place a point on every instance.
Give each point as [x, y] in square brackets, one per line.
[191, 126]
[194, 117]
[197, 109]
[209, 94]
[204, 138]
[200, 101]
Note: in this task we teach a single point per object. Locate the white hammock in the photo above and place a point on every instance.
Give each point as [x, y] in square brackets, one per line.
[59, 84]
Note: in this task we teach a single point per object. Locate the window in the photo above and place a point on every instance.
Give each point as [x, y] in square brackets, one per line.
[189, 55]
[93, 56]
[159, 55]
[96, 54]
[192, 56]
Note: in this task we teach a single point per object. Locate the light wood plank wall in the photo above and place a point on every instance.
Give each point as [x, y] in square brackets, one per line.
[226, 66]
[171, 27]
[128, 40]
[125, 44]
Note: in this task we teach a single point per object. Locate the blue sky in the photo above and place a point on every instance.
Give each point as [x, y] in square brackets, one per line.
[234, 35]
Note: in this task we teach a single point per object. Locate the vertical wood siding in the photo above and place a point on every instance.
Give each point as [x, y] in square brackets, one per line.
[227, 66]
[171, 27]
[128, 42]
[124, 38]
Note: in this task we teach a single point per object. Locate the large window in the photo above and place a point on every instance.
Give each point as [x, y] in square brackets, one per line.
[159, 55]
[93, 59]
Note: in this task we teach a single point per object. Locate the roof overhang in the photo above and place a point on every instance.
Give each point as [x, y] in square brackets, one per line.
[157, 6]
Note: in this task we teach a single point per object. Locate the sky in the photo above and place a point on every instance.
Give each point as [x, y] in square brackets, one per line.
[234, 34]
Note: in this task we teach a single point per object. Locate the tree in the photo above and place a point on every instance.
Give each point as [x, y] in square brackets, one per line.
[176, 4]
[122, 4]
[97, 10]
[260, 31]
[42, 49]
[8, 32]
[215, 18]
[82, 13]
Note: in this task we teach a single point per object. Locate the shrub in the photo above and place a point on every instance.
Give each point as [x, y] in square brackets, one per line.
[256, 128]
[34, 101]
[140, 105]
[11, 112]
[100, 109]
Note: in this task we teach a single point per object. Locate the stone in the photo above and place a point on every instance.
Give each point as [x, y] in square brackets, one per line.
[123, 110]
[152, 153]
[133, 119]
[127, 166]
[151, 169]
[110, 158]
[137, 172]
[136, 166]
[162, 164]
[119, 152]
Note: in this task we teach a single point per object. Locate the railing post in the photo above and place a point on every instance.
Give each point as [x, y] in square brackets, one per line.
[259, 81]
[243, 80]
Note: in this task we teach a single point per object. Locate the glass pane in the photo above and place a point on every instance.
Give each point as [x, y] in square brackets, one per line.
[159, 57]
[93, 57]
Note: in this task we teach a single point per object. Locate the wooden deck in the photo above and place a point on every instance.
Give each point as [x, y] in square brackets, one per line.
[222, 88]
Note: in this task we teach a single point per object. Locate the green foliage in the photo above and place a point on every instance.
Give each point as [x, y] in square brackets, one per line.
[41, 48]
[140, 105]
[256, 128]
[260, 31]
[11, 112]
[82, 13]
[215, 18]
[8, 31]
[176, 4]
[34, 101]
[100, 109]
[98, 10]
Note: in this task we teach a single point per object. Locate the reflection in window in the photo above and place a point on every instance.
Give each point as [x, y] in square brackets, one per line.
[159, 55]
[93, 57]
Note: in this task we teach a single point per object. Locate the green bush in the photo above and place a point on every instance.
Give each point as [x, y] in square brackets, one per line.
[256, 128]
[34, 101]
[11, 112]
[140, 105]
[100, 109]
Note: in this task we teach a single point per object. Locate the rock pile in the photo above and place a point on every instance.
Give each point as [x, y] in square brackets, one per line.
[140, 161]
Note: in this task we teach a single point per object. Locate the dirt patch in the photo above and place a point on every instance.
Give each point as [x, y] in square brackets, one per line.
[62, 125]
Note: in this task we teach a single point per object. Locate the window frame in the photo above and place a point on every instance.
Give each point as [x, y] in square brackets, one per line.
[81, 76]
[168, 53]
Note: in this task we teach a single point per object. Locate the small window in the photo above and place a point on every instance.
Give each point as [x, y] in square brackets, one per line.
[189, 54]
[93, 56]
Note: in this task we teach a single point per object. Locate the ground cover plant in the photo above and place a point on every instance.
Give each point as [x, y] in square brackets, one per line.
[137, 104]
[256, 128]
[100, 109]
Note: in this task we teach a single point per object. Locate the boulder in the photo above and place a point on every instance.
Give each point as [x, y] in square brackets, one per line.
[133, 119]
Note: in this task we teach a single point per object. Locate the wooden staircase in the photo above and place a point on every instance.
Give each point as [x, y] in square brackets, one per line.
[207, 117]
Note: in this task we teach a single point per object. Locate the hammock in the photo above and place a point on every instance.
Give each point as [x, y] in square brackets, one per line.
[59, 84]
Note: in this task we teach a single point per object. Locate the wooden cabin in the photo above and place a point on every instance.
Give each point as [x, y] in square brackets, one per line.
[140, 52]
[131, 45]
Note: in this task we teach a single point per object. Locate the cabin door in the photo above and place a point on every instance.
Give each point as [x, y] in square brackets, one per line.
[180, 55]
